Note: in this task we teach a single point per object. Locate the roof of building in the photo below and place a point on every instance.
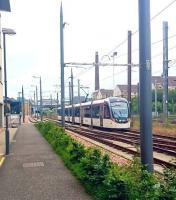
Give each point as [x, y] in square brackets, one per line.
[124, 88]
[159, 80]
[103, 92]
[106, 91]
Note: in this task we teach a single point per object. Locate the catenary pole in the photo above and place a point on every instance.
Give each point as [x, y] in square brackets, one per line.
[97, 82]
[37, 101]
[165, 70]
[41, 101]
[51, 101]
[69, 92]
[72, 96]
[34, 105]
[23, 102]
[57, 100]
[79, 99]
[145, 85]
[20, 107]
[129, 71]
[113, 69]
[138, 99]
[155, 98]
[62, 67]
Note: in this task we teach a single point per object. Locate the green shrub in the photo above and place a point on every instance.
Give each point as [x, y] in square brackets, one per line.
[103, 179]
[95, 166]
[115, 186]
[168, 185]
[77, 151]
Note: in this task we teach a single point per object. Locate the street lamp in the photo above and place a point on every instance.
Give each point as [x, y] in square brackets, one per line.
[36, 105]
[20, 107]
[41, 102]
[57, 95]
[8, 32]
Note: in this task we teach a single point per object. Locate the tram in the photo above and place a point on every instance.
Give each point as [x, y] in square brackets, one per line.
[112, 113]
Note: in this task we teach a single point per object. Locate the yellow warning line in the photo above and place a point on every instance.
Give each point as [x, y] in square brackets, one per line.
[2, 160]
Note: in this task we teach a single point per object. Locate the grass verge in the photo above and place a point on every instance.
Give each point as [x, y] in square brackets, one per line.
[103, 179]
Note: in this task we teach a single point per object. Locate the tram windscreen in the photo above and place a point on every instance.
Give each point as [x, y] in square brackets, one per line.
[119, 109]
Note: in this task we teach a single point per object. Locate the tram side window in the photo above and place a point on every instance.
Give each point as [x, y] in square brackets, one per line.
[106, 112]
[87, 112]
[59, 112]
[66, 111]
[77, 112]
[95, 111]
[69, 111]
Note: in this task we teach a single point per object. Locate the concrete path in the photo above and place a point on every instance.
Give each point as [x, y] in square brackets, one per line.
[34, 172]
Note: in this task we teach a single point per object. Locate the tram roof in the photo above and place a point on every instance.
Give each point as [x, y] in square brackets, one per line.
[99, 101]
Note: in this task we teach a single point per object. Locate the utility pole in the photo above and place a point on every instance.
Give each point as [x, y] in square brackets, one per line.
[23, 104]
[57, 100]
[37, 101]
[113, 75]
[70, 93]
[146, 145]
[165, 70]
[20, 106]
[62, 67]
[41, 101]
[51, 101]
[97, 82]
[34, 105]
[155, 98]
[79, 99]
[129, 71]
[138, 98]
[72, 96]
[7, 137]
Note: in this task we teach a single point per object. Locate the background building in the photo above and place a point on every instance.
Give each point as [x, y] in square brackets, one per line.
[158, 81]
[102, 94]
[122, 91]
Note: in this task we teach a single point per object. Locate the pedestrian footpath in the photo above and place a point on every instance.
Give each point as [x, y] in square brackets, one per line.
[33, 171]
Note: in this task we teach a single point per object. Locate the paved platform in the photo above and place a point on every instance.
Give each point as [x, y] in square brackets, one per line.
[33, 171]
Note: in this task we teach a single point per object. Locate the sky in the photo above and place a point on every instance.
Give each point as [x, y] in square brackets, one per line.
[91, 25]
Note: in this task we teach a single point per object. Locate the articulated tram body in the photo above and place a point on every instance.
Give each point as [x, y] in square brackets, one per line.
[112, 112]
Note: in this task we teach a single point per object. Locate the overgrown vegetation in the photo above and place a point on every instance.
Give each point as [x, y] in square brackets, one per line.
[167, 129]
[103, 179]
[171, 102]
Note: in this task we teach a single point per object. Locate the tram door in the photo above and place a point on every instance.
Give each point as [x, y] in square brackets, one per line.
[101, 115]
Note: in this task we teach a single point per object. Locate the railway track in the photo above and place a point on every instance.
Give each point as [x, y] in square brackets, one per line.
[109, 142]
[163, 145]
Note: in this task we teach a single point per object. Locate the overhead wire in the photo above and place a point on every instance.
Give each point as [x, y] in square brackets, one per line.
[137, 49]
[124, 41]
[133, 33]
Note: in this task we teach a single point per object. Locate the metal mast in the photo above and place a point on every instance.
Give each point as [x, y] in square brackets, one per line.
[62, 67]
[145, 84]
